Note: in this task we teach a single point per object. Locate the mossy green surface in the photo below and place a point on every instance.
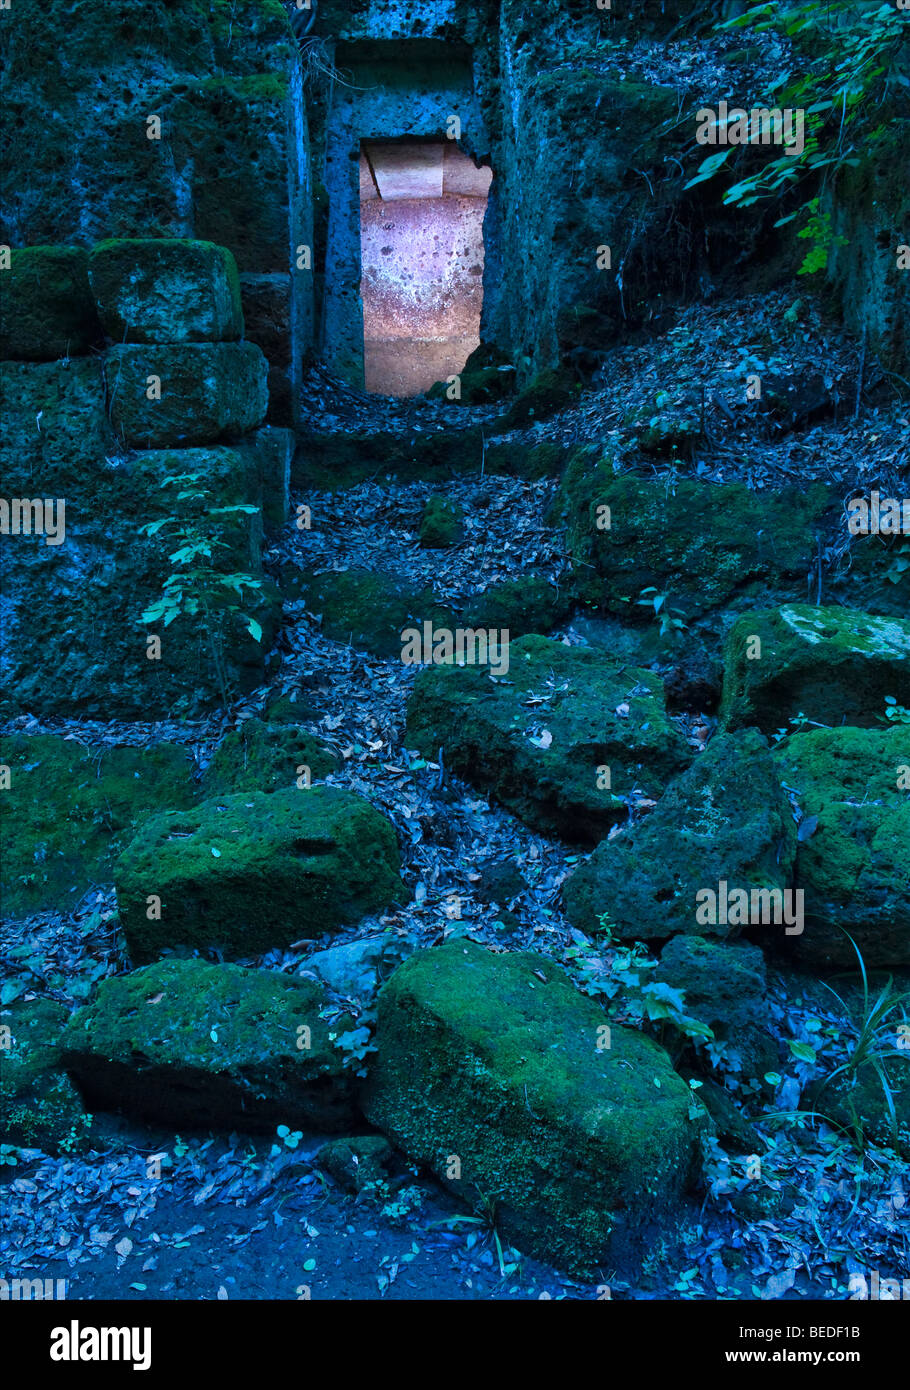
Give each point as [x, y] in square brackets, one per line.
[442, 524]
[493, 1060]
[855, 867]
[551, 390]
[69, 810]
[699, 544]
[371, 609]
[833, 665]
[208, 391]
[252, 871]
[40, 1107]
[265, 757]
[356, 1163]
[726, 818]
[520, 606]
[165, 290]
[190, 1044]
[46, 307]
[486, 729]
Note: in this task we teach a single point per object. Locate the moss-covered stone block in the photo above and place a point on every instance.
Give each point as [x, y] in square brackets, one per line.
[40, 1107]
[265, 757]
[519, 606]
[724, 984]
[559, 742]
[200, 392]
[272, 449]
[166, 290]
[699, 544]
[854, 868]
[46, 308]
[832, 665]
[498, 1061]
[370, 608]
[725, 819]
[252, 871]
[551, 390]
[70, 809]
[194, 1045]
[358, 1163]
[442, 524]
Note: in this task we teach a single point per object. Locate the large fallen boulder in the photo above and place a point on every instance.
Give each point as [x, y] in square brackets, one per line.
[829, 665]
[559, 741]
[255, 870]
[165, 290]
[495, 1072]
[628, 534]
[853, 860]
[725, 820]
[185, 393]
[190, 1044]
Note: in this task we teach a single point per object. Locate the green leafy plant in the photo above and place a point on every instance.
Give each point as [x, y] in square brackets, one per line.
[873, 1042]
[841, 90]
[895, 713]
[289, 1137]
[621, 981]
[197, 586]
[485, 1221]
[9, 1155]
[669, 619]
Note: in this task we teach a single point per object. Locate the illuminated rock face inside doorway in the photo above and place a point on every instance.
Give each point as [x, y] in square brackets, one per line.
[421, 234]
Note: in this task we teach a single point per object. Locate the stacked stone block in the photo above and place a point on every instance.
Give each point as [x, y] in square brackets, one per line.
[126, 367]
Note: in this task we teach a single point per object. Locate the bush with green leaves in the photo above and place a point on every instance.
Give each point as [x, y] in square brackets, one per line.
[198, 586]
[842, 88]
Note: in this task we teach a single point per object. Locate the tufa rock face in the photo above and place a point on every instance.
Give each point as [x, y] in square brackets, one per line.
[186, 1043]
[46, 308]
[252, 871]
[565, 698]
[208, 391]
[493, 1061]
[855, 866]
[833, 665]
[166, 290]
[726, 818]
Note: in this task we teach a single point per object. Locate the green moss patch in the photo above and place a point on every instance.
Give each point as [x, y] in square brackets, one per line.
[699, 544]
[40, 1107]
[46, 308]
[69, 810]
[264, 757]
[854, 867]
